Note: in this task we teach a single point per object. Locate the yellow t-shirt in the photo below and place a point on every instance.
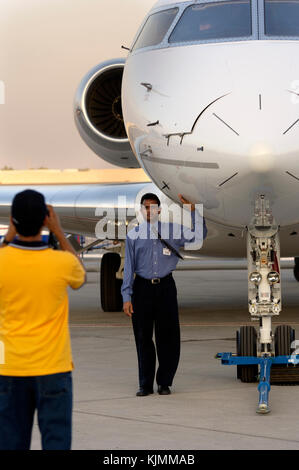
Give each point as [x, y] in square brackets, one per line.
[34, 331]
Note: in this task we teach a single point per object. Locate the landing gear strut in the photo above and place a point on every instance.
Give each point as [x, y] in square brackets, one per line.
[263, 255]
[270, 353]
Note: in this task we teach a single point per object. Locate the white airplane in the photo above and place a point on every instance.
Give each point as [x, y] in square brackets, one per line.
[207, 103]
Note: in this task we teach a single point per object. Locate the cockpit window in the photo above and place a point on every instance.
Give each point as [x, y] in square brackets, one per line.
[281, 17]
[219, 20]
[155, 28]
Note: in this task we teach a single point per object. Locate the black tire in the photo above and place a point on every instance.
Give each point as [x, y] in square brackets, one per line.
[284, 374]
[284, 335]
[111, 298]
[247, 346]
[238, 353]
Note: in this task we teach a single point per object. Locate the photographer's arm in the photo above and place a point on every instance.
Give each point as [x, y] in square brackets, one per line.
[10, 235]
[53, 224]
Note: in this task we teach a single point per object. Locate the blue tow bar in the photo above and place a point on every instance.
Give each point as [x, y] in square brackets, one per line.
[264, 385]
[265, 362]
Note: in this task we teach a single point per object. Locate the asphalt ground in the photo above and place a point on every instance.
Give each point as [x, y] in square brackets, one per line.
[209, 409]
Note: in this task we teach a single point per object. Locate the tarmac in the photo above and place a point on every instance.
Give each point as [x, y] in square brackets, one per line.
[209, 409]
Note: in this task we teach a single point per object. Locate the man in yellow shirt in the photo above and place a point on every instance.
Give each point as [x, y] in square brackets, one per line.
[35, 353]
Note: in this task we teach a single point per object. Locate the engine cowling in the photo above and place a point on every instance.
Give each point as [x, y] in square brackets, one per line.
[99, 117]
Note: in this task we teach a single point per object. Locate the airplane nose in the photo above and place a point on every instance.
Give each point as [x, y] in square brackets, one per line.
[254, 128]
[261, 158]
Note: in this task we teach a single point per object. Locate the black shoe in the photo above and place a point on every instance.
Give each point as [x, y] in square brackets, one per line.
[143, 392]
[163, 390]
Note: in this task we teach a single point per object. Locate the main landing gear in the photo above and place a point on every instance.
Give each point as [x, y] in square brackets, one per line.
[271, 357]
[111, 272]
[110, 283]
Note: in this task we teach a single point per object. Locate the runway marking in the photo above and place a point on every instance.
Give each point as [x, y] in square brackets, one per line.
[183, 426]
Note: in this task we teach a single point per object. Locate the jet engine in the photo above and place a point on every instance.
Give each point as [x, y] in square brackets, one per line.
[98, 114]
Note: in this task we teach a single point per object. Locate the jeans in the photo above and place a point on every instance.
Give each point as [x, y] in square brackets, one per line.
[51, 396]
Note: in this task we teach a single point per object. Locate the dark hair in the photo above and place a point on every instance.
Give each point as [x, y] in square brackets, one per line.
[152, 197]
[28, 212]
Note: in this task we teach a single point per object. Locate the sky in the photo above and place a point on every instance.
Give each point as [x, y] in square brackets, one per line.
[46, 47]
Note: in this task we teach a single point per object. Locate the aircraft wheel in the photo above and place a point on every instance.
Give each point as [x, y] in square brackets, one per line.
[111, 298]
[284, 336]
[247, 346]
[281, 374]
[238, 353]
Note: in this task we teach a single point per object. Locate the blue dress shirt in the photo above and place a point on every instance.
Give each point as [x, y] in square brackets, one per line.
[148, 257]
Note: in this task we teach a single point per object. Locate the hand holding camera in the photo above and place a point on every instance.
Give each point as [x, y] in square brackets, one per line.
[52, 221]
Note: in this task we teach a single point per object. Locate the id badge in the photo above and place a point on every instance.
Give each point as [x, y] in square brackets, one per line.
[166, 251]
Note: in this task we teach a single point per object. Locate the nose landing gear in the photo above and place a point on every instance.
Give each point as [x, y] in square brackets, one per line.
[272, 354]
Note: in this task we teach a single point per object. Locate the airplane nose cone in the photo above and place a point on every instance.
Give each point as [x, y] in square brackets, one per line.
[261, 158]
[255, 130]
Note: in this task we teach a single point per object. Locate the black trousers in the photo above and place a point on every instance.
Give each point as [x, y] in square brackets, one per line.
[156, 309]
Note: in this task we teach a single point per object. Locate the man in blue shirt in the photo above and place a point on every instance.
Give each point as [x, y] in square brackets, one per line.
[151, 298]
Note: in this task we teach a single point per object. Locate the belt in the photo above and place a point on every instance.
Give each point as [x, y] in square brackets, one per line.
[155, 280]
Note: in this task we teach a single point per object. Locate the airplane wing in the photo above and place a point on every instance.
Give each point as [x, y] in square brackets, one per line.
[80, 207]
[83, 207]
